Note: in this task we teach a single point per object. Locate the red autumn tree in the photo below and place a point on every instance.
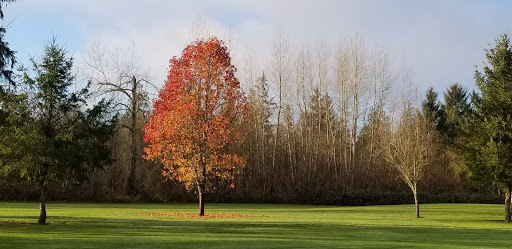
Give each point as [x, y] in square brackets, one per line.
[198, 117]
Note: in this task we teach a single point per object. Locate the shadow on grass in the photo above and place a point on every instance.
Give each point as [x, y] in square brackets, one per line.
[497, 221]
[72, 232]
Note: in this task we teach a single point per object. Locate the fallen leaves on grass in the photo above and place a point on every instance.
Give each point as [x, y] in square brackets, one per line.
[190, 215]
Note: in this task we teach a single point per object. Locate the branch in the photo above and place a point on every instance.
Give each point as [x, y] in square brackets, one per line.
[116, 88]
[123, 104]
[147, 82]
[127, 127]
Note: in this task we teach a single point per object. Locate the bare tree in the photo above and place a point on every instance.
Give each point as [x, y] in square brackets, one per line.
[198, 31]
[280, 73]
[410, 147]
[352, 85]
[382, 80]
[343, 93]
[303, 79]
[116, 73]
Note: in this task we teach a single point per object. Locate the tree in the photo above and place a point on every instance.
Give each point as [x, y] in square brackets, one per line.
[488, 130]
[48, 136]
[198, 117]
[456, 108]
[260, 132]
[279, 68]
[410, 148]
[352, 78]
[321, 119]
[1, 7]
[7, 58]
[432, 109]
[117, 75]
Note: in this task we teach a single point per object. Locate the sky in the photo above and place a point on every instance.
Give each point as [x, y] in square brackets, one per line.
[441, 41]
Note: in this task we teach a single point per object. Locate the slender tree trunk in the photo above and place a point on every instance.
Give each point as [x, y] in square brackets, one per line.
[290, 155]
[133, 159]
[201, 201]
[42, 205]
[416, 202]
[275, 176]
[507, 205]
[201, 184]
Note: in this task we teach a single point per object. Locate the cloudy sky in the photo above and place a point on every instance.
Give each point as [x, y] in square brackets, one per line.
[441, 40]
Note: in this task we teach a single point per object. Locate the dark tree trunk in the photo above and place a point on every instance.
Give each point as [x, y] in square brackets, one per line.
[133, 128]
[42, 205]
[201, 201]
[507, 205]
[133, 161]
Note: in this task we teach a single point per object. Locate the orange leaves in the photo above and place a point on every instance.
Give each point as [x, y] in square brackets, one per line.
[189, 215]
[197, 115]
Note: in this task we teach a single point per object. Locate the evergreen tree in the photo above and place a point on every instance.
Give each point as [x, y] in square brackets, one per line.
[260, 136]
[7, 58]
[321, 112]
[262, 104]
[48, 136]
[488, 131]
[432, 109]
[456, 108]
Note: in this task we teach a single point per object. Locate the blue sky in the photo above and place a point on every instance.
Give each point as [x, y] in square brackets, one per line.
[441, 41]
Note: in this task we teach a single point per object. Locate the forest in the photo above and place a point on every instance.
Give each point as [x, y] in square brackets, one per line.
[321, 125]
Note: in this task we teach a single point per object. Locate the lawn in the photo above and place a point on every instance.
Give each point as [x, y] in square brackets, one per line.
[92, 225]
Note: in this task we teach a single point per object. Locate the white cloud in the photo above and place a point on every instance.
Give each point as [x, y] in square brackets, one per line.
[442, 40]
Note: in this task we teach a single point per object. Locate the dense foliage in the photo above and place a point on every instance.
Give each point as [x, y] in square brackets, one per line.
[48, 136]
[198, 117]
[488, 137]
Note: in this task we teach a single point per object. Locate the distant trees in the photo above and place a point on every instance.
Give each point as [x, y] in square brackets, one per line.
[259, 140]
[279, 70]
[115, 74]
[49, 136]
[198, 117]
[488, 137]
[321, 121]
[334, 106]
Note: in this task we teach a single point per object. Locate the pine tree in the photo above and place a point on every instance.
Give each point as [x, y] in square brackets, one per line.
[48, 136]
[456, 108]
[488, 146]
[321, 112]
[260, 136]
[432, 109]
[7, 57]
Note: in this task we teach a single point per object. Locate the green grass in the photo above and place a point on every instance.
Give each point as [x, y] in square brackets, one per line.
[86, 225]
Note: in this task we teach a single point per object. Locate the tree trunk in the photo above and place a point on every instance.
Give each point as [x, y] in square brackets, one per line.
[507, 205]
[416, 203]
[201, 201]
[42, 205]
[133, 159]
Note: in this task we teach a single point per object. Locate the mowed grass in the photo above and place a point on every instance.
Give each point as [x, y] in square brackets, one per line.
[90, 225]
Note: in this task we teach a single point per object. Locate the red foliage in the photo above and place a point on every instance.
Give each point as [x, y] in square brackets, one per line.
[198, 115]
[189, 215]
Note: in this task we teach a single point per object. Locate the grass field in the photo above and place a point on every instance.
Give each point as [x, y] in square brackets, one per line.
[86, 225]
